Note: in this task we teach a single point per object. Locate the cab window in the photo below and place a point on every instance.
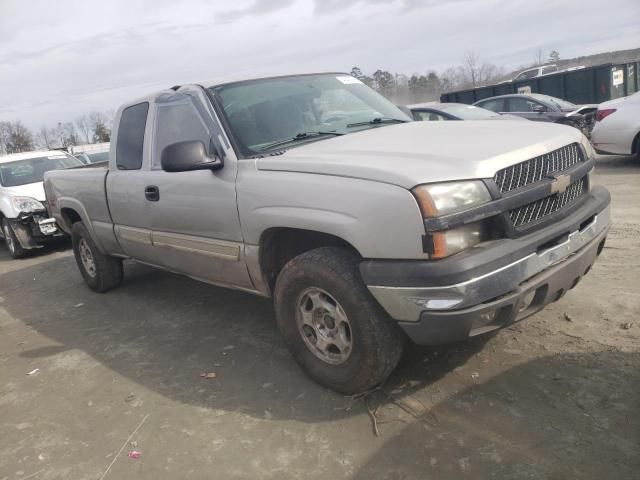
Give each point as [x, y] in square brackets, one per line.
[178, 121]
[130, 142]
[427, 116]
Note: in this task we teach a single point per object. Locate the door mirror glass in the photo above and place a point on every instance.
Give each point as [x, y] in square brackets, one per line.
[187, 156]
[539, 108]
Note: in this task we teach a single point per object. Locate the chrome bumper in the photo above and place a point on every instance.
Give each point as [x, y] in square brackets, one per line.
[407, 304]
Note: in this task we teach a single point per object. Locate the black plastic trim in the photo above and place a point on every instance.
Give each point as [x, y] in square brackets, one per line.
[484, 258]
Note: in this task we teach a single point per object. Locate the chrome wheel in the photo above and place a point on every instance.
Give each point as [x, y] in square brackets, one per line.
[324, 326]
[9, 239]
[87, 258]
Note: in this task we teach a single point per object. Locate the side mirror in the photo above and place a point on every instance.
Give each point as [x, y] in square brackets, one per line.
[187, 156]
[539, 108]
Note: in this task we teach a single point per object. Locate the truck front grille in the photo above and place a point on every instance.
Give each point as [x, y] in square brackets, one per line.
[534, 170]
[533, 211]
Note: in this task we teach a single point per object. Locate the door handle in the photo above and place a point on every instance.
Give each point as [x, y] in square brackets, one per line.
[152, 193]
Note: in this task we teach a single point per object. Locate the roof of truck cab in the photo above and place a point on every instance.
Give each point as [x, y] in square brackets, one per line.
[151, 97]
[244, 78]
[26, 155]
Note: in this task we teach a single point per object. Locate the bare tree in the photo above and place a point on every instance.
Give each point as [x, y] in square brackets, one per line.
[45, 138]
[84, 128]
[65, 134]
[101, 133]
[4, 136]
[471, 67]
[16, 137]
[540, 57]
[101, 126]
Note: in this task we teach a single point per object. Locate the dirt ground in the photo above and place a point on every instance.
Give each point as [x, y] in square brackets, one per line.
[554, 397]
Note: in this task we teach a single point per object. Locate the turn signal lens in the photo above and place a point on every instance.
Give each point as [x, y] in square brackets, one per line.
[449, 242]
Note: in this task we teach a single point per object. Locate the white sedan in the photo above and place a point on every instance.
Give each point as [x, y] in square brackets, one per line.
[617, 128]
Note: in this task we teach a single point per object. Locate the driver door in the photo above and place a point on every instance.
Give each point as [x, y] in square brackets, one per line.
[193, 215]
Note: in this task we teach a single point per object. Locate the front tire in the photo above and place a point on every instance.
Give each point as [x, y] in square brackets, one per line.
[334, 328]
[11, 241]
[100, 272]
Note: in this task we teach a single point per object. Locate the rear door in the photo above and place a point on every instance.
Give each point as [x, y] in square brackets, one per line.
[194, 218]
[494, 104]
[523, 107]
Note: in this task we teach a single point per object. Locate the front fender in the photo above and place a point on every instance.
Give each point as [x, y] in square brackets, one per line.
[379, 220]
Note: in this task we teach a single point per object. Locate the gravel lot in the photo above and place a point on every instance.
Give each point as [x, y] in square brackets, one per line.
[554, 397]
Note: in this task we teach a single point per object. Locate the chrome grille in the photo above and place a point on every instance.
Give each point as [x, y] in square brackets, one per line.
[534, 170]
[546, 206]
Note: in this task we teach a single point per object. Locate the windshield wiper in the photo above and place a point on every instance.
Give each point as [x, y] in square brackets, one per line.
[376, 121]
[297, 138]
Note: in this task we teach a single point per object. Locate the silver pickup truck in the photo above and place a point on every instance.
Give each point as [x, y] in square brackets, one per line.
[365, 228]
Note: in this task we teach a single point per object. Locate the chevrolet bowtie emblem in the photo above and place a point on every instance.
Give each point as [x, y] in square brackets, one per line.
[560, 183]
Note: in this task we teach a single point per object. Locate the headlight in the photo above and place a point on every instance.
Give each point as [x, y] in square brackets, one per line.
[443, 198]
[27, 204]
[457, 239]
[587, 147]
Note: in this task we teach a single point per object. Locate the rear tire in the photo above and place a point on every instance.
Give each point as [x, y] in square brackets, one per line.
[320, 301]
[100, 272]
[11, 241]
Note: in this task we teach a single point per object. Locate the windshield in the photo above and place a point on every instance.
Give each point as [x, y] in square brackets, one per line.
[270, 111]
[31, 170]
[556, 101]
[468, 112]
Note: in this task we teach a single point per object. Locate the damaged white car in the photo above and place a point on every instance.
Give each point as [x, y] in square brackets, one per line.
[25, 222]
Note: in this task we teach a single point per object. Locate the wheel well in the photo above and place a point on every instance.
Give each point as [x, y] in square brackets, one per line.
[279, 245]
[635, 145]
[70, 216]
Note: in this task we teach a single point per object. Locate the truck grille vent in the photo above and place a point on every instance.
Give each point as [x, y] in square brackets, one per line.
[546, 206]
[534, 170]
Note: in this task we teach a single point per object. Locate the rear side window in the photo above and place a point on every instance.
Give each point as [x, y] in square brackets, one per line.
[130, 141]
[493, 105]
[527, 75]
[520, 105]
[427, 116]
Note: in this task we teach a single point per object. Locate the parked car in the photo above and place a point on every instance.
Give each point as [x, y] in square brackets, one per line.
[534, 72]
[91, 153]
[26, 224]
[435, 111]
[617, 127]
[363, 226]
[542, 108]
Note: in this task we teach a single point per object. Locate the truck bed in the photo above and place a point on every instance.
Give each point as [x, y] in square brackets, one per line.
[80, 189]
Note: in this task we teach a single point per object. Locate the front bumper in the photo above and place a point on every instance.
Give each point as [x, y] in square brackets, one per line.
[486, 300]
[34, 229]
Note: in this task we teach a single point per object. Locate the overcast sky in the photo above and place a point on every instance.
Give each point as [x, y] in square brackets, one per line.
[59, 58]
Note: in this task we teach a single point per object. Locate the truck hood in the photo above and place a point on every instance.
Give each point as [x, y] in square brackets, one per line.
[33, 190]
[413, 153]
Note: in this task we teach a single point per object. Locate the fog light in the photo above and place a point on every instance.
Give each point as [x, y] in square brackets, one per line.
[527, 300]
[487, 317]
